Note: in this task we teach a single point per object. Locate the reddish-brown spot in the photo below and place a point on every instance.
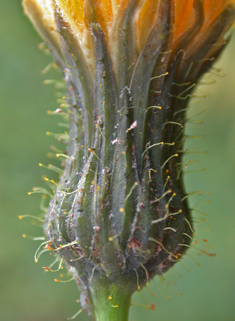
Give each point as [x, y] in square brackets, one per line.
[152, 306]
[134, 243]
[47, 247]
[158, 249]
[46, 268]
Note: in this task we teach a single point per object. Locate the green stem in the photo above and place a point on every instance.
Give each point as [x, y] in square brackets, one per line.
[111, 302]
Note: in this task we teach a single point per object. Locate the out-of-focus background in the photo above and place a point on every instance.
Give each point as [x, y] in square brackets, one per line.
[27, 292]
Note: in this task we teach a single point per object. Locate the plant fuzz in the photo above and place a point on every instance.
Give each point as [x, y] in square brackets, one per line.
[119, 215]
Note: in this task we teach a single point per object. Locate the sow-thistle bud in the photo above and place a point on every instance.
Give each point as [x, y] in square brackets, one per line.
[119, 215]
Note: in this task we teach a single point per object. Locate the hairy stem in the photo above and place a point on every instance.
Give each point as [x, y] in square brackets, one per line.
[110, 302]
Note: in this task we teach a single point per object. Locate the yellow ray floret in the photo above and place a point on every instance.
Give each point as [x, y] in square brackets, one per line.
[137, 16]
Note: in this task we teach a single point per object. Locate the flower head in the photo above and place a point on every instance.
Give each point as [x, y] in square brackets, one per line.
[120, 215]
[136, 18]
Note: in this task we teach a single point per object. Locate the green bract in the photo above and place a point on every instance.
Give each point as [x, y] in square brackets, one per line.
[120, 215]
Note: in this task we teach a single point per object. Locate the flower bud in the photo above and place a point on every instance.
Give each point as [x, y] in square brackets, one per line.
[120, 215]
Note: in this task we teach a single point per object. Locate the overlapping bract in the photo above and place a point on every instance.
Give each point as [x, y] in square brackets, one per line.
[130, 67]
[120, 212]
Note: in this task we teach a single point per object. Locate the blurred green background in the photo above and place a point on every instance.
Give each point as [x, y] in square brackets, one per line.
[27, 293]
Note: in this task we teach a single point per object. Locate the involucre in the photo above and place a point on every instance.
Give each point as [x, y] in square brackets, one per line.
[120, 215]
